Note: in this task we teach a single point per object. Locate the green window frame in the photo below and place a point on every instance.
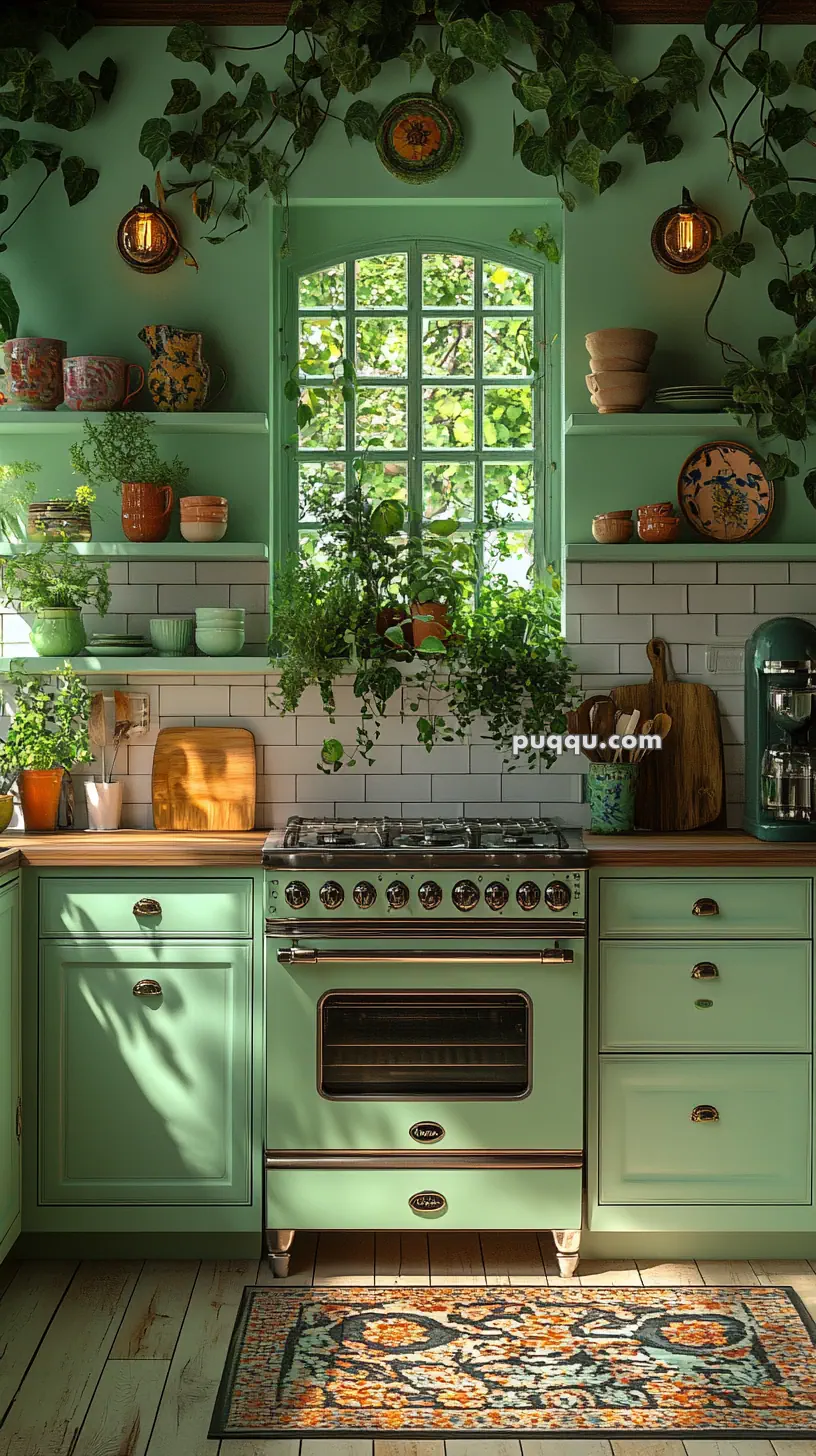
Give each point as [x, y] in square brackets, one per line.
[510, 472]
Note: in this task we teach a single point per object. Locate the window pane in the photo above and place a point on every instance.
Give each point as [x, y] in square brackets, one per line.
[511, 554]
[509, 489]
[508, 346]
[319, 478]
[504, 287]
[447, 489]
[312, 547]
[382, 346]
[321, 344]
[327, 428]
[381, 282]
[326, 289]
[447, 280]
[447, 346]
[447, 419]
[382, 418]
[508, 417]
[384, 480]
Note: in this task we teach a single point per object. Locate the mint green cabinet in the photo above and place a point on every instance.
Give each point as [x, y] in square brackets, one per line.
[144, 1098]
[706, 905]
[146, 905]
[9, 1067]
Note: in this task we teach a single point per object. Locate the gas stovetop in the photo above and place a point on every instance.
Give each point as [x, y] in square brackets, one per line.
[326, 843]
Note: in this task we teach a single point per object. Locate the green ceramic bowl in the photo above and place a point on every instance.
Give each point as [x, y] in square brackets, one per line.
[220, 641]
[172, 636]
[6, 811]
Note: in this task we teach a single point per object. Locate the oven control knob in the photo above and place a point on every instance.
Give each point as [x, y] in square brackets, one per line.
[465, 895]
[528, 895]
[557, 895]
[364, 895]
[331, 895]
[430, 895]
[397, 895]
[297, 895]
[496, 895]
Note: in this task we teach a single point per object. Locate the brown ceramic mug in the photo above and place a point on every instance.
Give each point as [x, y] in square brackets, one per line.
[146, 510]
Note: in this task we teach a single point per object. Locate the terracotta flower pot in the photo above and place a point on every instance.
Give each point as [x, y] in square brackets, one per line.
[40, 790]
[395, 617]
[436, 627]
[146, 510]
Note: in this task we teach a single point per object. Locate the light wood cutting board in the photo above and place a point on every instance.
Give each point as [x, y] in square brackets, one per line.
[204, 778]
[680, 786]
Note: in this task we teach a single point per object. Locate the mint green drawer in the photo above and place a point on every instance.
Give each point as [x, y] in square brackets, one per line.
[378, 1198]
[189, 907]
[757, 1151]
[744, 907]
[759, 999]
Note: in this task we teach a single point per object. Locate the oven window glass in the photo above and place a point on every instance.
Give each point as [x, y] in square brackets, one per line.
[420, 1045]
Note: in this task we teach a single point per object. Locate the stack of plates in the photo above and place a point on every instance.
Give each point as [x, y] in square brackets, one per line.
[123, 644]
[695, 398]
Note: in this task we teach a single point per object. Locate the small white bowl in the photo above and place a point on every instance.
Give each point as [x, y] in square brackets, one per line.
[203, 530]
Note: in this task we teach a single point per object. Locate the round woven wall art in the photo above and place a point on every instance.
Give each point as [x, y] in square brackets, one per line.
[419, 139]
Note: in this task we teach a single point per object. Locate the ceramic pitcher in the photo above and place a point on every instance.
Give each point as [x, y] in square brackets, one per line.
[32, 372]
[178, 377]
[146, 510]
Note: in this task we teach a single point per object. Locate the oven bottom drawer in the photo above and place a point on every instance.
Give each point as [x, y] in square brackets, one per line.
[479, 1198]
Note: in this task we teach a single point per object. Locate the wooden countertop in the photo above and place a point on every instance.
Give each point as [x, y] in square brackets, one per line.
[130, 847]
[686, 851]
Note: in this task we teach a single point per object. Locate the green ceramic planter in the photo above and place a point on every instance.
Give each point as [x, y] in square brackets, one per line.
[611, 793]
[58, 632]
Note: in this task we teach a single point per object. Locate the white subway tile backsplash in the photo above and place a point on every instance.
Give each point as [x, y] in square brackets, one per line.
[405, 787]
[436, 809]
[721, 598]
[598, 573]
[782, 599]
[556, 788]
[573, 573]
[623, 628]
[247, 701]
[183, 600]
[670, 598]
[592, 599]
[457, 786]
[325, 788]
[685, 571]
[161, 573]
[447, 758]
[229, 573]
[253, 598]
[693, 627]
[802, 572]
[597, 657]
[200, 701]
[753, 572]
[739, 626]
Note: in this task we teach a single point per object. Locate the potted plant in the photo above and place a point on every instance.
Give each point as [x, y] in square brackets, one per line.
[62, 517]
[54, 584]
[16, 492]
[8, 778]
[103, 796]
[438, 572]
[120, 451]
[47, 735]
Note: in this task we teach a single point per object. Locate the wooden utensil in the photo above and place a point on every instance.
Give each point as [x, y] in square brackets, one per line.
[682, 786]
[645, 728]
[580, 721]
[604, 725]
[204, 778]
[623, 730]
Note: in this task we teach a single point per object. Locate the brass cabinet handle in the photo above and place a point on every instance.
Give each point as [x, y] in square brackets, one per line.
[705, 1113]
[705, 907]
[147, 907]
[705, 971]
[428, 1202]
[147, 988]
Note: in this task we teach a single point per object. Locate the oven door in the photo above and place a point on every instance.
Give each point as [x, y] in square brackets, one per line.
[410, 1042]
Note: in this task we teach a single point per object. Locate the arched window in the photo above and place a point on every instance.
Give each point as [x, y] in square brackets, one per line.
[446, 414]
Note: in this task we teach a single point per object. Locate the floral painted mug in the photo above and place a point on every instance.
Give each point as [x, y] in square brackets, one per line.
[100, 382]
[32, 373]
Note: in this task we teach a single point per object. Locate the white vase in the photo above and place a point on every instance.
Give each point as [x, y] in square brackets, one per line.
[104, 805]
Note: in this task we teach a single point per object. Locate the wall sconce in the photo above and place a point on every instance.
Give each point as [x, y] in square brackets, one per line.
[682, 236]
[147, 238]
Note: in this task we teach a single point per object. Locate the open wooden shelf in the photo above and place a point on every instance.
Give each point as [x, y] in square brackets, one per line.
[146, 666]
[69, 422]
[154, 550]
[757, 550]
[716, 426]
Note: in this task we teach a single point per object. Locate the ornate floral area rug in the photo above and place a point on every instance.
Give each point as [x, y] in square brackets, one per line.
[566, 1361]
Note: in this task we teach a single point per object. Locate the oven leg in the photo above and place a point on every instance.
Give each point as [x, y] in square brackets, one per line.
[567, 1246]
[279, 1248]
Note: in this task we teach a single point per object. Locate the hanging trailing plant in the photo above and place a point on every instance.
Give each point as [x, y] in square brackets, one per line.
[31, 90]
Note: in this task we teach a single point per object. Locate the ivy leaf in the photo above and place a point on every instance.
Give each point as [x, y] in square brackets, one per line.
[681, 66]
[154, 141]
[236, 73]
[67, 23]
[66, 104]
[48, 153]
[768, 75]
[788, 125]
[189, 148]
[461, 69]
[809, 485]
[595, 69]
[9, 309]
[354, 68]
[524, 26]
[431, 647]
[717, 82]
[414, 56]
[532, 90]
[568, 199]
[542, 154]
[584, 164]
[4, 202]
[605, 125]
[521, 131]
[78, 179]
[608, 174]
[730, 254]
[257, 96]
[762, 173]
[779, 466]
[186, 97]
[332, 750]
[796, 296]
[104, 83]
[805, 73]
[329, 85]
[729, 12]
[776, 354]
[486, 41]
[777, 212]
[361, 119]
[190, 42]
[14, 151]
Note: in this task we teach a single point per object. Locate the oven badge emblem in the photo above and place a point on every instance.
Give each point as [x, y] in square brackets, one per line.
[428, 1202]
[427, 1132]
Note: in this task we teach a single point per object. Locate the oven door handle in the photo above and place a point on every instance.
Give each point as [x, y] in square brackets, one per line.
[298, 955]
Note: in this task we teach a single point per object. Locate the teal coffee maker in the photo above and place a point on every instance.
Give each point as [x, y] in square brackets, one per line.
[780, 730]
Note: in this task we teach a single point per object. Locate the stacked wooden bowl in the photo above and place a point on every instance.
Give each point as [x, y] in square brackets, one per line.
[203, 517]
[619, 359]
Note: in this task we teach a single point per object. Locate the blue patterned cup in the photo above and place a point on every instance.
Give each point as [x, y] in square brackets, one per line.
[611, 793]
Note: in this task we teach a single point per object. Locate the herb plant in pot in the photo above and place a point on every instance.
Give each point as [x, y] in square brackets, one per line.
[48, 734]
[54, 584]
[438, 573]
[103, 796]
[120, 452]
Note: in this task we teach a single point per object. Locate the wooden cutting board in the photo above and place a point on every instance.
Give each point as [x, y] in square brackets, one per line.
[680, 786]
[204, 778]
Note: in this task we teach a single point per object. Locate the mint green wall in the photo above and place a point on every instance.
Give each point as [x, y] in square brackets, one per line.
[71, 282]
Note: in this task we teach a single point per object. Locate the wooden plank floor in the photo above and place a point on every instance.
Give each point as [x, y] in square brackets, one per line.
[122, 1358]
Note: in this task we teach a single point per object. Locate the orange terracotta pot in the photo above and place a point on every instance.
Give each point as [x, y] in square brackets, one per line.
[40, 790]
[146, 510]
[437, 627]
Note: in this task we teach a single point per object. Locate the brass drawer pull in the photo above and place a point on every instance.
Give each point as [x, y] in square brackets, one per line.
[147, 907]
[428, 1202]
[147, 988]
[705, 971]
[705, 1113]
[705, 907]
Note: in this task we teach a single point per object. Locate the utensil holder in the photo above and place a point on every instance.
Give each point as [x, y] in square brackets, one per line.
[611, 789]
